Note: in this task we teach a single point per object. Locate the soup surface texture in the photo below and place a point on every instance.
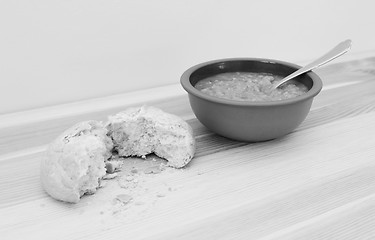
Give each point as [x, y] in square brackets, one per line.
[249, 86]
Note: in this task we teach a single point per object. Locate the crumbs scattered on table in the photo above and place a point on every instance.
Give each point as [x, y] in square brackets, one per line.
[153, 170]
[141, 183]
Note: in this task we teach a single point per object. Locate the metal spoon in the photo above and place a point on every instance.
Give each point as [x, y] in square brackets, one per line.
[337, 51]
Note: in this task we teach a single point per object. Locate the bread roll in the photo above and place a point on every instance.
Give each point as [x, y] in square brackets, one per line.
[74, 162]
[144, 130]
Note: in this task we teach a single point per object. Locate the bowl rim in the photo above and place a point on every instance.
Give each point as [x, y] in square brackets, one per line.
[185, 82]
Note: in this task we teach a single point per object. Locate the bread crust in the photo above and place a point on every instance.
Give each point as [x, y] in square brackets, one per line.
[73, 163]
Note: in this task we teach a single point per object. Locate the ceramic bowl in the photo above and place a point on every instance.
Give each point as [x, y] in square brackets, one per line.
[246, 120]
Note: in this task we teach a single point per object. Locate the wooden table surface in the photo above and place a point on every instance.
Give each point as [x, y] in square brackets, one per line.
[315, 183]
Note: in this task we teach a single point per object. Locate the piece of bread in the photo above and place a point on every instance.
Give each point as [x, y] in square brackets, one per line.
[145, 130]
[74, 162]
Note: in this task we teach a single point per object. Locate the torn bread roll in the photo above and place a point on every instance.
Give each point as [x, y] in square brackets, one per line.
[77, 160]
[74, 162]
[144, 130]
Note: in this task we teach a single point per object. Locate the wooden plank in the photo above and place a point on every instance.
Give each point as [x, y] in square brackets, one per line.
[352, 221]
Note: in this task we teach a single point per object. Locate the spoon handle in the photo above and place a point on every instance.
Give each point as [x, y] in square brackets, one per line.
[337, 51]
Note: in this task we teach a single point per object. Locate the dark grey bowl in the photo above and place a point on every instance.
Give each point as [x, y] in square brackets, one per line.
[246, 120]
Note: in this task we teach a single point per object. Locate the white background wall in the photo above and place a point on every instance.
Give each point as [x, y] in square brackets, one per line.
[54, 52]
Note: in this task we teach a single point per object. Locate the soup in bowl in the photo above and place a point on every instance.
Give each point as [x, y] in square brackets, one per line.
[234, 97]
[249, 86]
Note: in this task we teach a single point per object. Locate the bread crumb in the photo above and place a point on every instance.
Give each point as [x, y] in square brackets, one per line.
[171, 189]
[102, 184]
[160, 195]
[124, 198]
[152, 170]
[129, 178]
[109, 176]
[113, 166]
[199, 172]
